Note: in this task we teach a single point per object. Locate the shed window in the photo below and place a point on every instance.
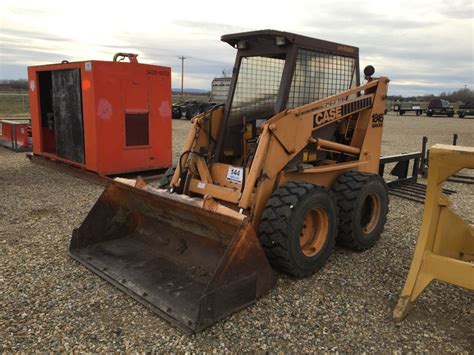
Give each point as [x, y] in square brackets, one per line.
[136, 129]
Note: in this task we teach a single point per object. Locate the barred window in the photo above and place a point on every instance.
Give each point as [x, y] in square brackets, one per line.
[257, 88]
[319, 75]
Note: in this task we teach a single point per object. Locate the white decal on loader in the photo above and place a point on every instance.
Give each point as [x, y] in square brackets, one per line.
[235, 174]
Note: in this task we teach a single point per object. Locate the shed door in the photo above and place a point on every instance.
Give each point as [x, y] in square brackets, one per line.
[67, 108]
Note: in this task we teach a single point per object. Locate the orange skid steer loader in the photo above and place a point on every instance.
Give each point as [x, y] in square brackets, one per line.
[287, 167]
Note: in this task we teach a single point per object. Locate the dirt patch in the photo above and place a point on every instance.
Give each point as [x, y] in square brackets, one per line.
[41, 212]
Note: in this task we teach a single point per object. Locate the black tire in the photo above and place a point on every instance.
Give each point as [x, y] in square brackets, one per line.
[283, 223]
[450, 114]
[402, 113]
[461, 115]
[191, 112]
[202, 108]
[362, 203]
[166, 178]
[429, 114]
[176, 115]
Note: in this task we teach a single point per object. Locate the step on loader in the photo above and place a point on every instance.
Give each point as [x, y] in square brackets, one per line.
[272, 179]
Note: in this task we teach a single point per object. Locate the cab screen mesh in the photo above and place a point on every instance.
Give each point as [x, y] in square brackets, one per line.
[256, 89]
[319, 75]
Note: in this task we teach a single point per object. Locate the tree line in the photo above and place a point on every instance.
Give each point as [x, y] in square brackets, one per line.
[465, 95]
[13, 85]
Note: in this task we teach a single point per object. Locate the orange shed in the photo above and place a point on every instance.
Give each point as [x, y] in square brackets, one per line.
[107, 117]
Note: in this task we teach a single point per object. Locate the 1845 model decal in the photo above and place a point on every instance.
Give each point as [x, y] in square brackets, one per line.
[377, 120]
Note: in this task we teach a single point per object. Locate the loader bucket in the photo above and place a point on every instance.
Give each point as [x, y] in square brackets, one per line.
[192, 266]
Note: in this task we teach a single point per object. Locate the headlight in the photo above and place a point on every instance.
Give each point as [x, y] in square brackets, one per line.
[242, 44]
[280, 40]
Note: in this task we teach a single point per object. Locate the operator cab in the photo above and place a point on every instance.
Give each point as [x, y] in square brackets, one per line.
[274, 71]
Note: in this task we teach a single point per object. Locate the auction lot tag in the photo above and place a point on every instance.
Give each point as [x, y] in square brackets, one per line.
[235, 174]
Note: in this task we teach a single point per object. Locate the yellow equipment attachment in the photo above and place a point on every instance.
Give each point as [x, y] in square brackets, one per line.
[445, 247]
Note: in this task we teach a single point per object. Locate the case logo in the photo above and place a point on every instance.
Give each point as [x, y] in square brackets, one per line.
[326, 116]
[343, 110]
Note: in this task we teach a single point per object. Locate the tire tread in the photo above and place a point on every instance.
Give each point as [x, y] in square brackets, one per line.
[275, 222]
[346, 191]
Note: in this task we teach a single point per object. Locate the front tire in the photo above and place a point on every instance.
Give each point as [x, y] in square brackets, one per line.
[362, 202]
[298, 228]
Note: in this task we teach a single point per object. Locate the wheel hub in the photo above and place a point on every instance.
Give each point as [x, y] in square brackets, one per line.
[314, 232]
[370, 213]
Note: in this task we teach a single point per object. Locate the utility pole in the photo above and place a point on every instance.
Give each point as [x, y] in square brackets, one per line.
[22, 101]
[182, 75]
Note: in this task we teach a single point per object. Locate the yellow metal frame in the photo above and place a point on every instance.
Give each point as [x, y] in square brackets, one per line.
[282, 137]
[445, 246]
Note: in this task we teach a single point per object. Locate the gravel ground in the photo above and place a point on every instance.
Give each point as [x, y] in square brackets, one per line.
[49, 302]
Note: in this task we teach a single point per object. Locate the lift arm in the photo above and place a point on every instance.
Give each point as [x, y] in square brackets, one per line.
[287, 133]
[283, 137]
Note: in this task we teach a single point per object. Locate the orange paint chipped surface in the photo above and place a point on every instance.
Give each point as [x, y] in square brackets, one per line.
[126, 115]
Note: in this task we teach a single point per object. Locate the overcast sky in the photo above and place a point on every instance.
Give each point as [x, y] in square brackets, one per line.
[424, 46]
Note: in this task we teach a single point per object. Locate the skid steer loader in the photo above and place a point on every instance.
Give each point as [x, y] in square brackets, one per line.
[272, 178]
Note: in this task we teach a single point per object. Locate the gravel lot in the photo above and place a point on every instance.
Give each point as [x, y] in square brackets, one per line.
[48, 302]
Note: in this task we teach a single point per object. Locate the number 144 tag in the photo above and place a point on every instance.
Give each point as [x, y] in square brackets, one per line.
[235, 174]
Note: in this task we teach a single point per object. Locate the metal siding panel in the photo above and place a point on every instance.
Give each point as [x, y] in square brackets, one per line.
[67, 108]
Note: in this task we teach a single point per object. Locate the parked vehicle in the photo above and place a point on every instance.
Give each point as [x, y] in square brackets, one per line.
[404, 107]
[440, 107]
[176, 111]
[466, 110]
[190, 108]
[220, 89]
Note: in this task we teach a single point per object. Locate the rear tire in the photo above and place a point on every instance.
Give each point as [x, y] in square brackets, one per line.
[298, 228]
[176, 115]
[166, 178]
[362, 202]
[191, 112]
